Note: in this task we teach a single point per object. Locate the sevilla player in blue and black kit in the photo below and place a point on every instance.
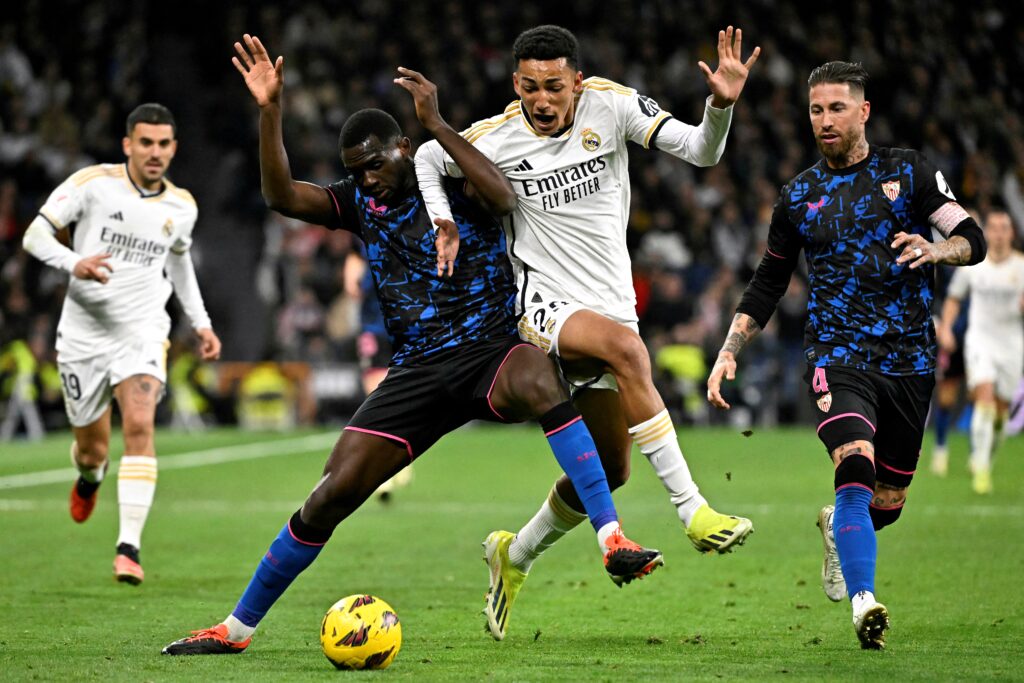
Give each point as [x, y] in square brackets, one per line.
[863, 217]
[457, 354]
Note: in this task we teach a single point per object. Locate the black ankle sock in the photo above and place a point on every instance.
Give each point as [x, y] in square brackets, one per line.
[129, 551]
[86, 489]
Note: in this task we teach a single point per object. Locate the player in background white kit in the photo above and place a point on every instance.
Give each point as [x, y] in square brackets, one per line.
[128, 225]
[994, 341]
[563, 147]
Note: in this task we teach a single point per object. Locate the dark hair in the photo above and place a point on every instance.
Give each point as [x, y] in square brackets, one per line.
[154, 113]
[368, 122]
[852, 73]
[547, 42]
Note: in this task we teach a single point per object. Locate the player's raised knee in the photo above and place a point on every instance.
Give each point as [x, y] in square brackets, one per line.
[627, 353]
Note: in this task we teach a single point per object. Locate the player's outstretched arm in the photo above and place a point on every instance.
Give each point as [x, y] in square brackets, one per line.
[265, 80]
[491, 185]
[944, 330]
[727, 81]
[743, 329]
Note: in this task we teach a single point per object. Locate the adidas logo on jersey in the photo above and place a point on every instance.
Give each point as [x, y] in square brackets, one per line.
[524, 165]
[117, 216]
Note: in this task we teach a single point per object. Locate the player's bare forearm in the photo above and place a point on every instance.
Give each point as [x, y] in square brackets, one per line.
[954, 251]
[741, 331]
[280, 191]
[492, 187]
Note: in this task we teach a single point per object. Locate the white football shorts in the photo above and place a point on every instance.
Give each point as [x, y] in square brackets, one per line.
[88, 384]
[984, 365]
[540, 325]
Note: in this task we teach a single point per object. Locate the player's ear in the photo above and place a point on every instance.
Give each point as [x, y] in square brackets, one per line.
[515, 83]
[405, 147]
[865, 111]
[577, 83]
[126, 145]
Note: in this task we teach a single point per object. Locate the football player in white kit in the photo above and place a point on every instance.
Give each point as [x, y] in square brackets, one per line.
[994, 341]
[128, 225]
[563, 147]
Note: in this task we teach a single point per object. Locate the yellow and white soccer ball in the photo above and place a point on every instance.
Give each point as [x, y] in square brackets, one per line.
[361, 632]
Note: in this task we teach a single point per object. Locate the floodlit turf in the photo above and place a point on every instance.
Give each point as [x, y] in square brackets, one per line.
[950, 571]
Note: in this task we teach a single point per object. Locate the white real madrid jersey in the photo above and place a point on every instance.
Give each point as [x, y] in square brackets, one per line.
[994, 320]
[108, 213]
[567, 238]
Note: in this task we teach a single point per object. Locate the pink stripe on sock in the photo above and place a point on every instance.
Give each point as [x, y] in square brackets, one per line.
[392, 437]
[893, 469]
[498, 372]
[558, 429]
[838, 417]
[299, 540]
[846, 486]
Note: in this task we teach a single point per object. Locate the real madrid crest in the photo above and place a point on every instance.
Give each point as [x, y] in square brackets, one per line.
[591, 140]
[168, 227]
[825, 402]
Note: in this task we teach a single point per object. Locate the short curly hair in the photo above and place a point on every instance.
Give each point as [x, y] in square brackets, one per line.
[547, 42]
[366, 123]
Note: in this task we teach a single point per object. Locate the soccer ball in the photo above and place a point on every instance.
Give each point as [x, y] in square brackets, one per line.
[361, 632]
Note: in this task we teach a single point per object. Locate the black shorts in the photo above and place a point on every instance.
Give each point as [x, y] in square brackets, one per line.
[415, 406]
[373, 350]
[889, 411]
[951, 365]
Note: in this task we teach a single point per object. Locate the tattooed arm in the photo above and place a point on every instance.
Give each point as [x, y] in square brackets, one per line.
[964, 245]
[743, 329]
[759, 299]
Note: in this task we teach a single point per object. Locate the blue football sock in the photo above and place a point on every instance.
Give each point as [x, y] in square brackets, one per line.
[942, 419]
[285, 560]
[855, 538]
[575, 451]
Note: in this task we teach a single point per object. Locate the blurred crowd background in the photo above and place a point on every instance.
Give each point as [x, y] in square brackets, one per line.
[947, 78]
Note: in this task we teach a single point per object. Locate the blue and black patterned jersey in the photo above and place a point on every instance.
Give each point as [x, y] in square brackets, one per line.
[864, 310]
[429, 317]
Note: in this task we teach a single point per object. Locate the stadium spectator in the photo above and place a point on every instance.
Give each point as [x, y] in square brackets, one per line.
[112, 53]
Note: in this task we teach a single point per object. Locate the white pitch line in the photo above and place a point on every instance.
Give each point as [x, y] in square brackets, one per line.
[177, 461]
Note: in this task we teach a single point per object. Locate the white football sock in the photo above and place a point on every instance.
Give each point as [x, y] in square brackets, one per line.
[554, 520]
[861, 601]
[604, 533]
[237, 631]
[657, 440]
[136, 484]
[982, 435]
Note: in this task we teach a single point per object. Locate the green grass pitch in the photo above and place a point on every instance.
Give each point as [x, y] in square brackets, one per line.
[950, 571]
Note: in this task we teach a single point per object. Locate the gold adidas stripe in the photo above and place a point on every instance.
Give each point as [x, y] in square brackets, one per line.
[56, 223]
[654, 126]
[562, 509]
[655, 432]
[137, 478]
[94, 174]
[473, 137]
